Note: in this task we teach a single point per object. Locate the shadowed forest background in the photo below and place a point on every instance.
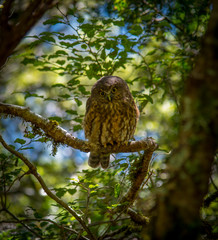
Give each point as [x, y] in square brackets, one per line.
[51, 53]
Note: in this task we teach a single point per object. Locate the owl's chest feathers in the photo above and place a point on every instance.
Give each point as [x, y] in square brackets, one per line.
[111, 123]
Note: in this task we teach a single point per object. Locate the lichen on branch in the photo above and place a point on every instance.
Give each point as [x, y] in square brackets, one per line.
[58, 135]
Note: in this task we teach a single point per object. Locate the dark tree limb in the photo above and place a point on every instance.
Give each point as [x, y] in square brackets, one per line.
[12, 32]
[59, 135]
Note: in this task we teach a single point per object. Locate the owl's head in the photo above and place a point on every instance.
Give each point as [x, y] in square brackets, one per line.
[109, 89]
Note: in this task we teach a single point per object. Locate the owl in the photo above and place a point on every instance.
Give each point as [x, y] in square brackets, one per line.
[110, 118]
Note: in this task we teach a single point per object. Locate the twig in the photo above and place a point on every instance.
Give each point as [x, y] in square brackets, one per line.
[149, 176]
[44, 220]
[213, 183]
[108, 227]
[165, 17]
[116, 232]
[27, 227]
[33, 171]
[109, 221]
[18, 178]
[210, 199]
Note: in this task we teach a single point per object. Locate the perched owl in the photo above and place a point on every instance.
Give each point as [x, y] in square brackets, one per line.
[111, 117]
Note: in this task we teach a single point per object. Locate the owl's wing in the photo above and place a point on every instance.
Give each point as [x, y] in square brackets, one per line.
[89, 116]
[88, 104]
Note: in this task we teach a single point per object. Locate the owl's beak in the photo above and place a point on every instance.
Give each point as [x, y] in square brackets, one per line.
[109, 97]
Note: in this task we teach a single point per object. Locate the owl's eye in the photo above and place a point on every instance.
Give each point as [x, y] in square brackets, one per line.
[114, 90]
[102, 93]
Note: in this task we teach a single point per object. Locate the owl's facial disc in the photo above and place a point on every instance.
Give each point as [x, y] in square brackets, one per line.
[109, 94]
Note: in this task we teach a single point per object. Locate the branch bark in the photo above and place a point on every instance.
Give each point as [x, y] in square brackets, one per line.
[59, 135]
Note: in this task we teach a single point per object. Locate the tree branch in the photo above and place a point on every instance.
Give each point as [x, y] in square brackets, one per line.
[139, 176]
[11, 33]
[59, 135]
[34, 172]
[140, 173]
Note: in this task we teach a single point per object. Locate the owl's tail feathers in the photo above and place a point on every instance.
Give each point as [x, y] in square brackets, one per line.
[95, 159]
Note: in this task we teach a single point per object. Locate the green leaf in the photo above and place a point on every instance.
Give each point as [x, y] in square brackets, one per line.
[149, 98]
[117, 190]
[44, 69]
[42, 139]
[78, 102]
[60, 192]
[78, 119]
[93, 186]
[72, 191]
[73, 82]
[77, 128]
[151, 52]
[61, 52]
[124, 166]
[43, 224]
[27, 95]
[58, 119]
[53, 21]
[136, 30]
[19, 140]
[82, 90]
[48, 39]
[80, 20]
[68, 44]
[28, 60]
[84, 46]
[66, 96]
[113, 54]
[71, 112]
[103, 54]
[58, 85]
[68, 37]
[60, 62]
[119, 23]
[26, 148]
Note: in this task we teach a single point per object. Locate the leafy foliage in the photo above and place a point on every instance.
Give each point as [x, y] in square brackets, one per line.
[152, 44]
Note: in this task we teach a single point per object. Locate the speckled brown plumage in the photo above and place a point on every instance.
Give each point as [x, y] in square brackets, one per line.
[111, 117]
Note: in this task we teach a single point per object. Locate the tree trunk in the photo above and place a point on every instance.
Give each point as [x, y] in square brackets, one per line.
[12, 31]
[178, 203]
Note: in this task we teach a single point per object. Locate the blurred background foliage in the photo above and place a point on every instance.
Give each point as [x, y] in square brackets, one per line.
[151, 45]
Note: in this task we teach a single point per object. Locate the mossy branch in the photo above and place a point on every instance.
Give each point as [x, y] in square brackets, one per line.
[59, 135]
[140, 173]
